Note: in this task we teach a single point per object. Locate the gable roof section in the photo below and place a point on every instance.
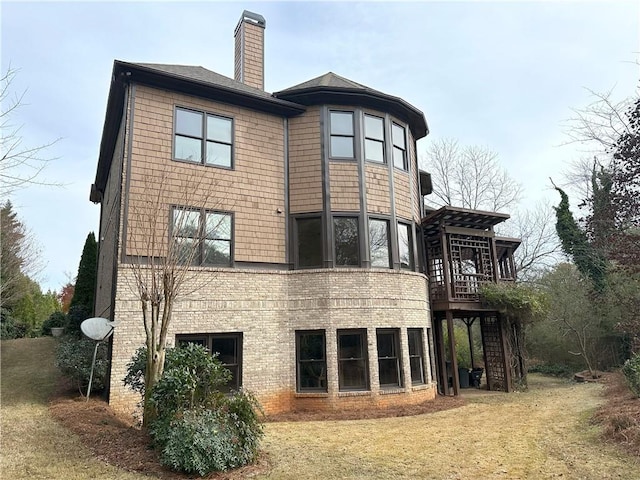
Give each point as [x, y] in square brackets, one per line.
[332, 88]
[191, 80]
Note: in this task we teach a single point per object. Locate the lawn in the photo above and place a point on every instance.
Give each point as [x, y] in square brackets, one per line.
[543, 433]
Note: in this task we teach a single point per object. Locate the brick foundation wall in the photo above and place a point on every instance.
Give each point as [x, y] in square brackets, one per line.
[268, 307]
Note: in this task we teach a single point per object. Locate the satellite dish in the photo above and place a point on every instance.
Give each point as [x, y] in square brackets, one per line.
[97, 328]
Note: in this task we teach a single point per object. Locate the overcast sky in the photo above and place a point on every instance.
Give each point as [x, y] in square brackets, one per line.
[502, 75]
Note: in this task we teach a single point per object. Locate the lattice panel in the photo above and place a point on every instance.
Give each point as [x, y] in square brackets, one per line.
[471, 265]
[436, 272]
[494, 353]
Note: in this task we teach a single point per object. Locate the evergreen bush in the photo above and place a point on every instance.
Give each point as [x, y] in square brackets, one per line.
[198, 429]
[74, 357]
[631, 371]
[56, 319]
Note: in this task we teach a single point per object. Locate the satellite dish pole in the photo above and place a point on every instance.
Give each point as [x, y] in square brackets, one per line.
[98, 329]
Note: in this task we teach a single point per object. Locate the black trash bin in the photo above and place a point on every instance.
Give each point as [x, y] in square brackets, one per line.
[463, 374]
[475, 376]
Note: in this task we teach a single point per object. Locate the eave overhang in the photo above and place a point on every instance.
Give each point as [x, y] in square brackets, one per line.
[319, 95]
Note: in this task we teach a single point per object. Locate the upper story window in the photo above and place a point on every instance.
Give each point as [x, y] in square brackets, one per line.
[399, 147]
[342, 135]
[309, 242]
[347, 241]
[405, 246]
[374, 139]
[203, 138]
[202, 237]
[379, 243]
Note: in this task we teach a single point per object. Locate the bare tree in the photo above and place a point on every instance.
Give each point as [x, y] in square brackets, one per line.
[540, 248]
[169, 237]
[469, 177]
[20, 165]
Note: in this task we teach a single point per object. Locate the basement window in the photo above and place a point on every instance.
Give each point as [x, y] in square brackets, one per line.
[311, 361]
[389, 364]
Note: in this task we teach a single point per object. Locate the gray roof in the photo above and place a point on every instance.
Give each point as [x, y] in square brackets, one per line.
[329, 79]
[201, 74]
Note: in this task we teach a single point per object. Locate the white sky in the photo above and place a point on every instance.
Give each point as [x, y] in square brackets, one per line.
[502, 75]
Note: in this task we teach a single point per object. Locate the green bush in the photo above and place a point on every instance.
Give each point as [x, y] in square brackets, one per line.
[77, 314]
[198, 429]
[74, 357]
[9, 327]
[555, 370]
[631, 371]
[56, 319]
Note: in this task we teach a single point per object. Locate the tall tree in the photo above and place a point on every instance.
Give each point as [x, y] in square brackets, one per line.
[576, 245]
[85, 288]
[20, 256]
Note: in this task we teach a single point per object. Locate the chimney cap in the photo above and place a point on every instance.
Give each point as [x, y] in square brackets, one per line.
[252, 17]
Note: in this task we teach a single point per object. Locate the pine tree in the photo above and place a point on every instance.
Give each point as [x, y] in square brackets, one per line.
[87, 274]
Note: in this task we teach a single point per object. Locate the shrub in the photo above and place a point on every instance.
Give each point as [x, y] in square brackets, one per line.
[556, 370]
[10, 328]
[631, 371]
[56, 319]
[198, 429]
[74, 357]
[77, 314]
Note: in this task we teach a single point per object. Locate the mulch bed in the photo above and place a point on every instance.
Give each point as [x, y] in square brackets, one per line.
[120, 442]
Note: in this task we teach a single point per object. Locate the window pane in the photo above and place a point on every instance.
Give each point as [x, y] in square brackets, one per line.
[388, 372]
[186, 250]
[218, 226]
[311, 346]
[342, 147]
[313, 375]
[397, 132]
[351, 345]
[341, 123]
[217, 252]
[353, 374]
[379, 243]
[186, 223]
[196, 341]
[219, 129]
[405, 244]
[188, 123]
[386, 345]
[218, 154]
[227, 349]
[347, 241]
[188, 149]
[374, 150]
[309, 242]
[415, 341]
[398, 158]
[373, 127]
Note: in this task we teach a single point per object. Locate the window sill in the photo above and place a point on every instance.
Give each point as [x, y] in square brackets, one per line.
[355, 393]
[422, 386]
[311, 395]
[391, 391]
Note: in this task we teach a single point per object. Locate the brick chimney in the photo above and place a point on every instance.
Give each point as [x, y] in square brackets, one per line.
[249, 58]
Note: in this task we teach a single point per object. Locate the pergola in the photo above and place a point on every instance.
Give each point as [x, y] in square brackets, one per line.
[463, 253]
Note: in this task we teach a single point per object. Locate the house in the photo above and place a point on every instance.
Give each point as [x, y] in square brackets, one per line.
[311, 286]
